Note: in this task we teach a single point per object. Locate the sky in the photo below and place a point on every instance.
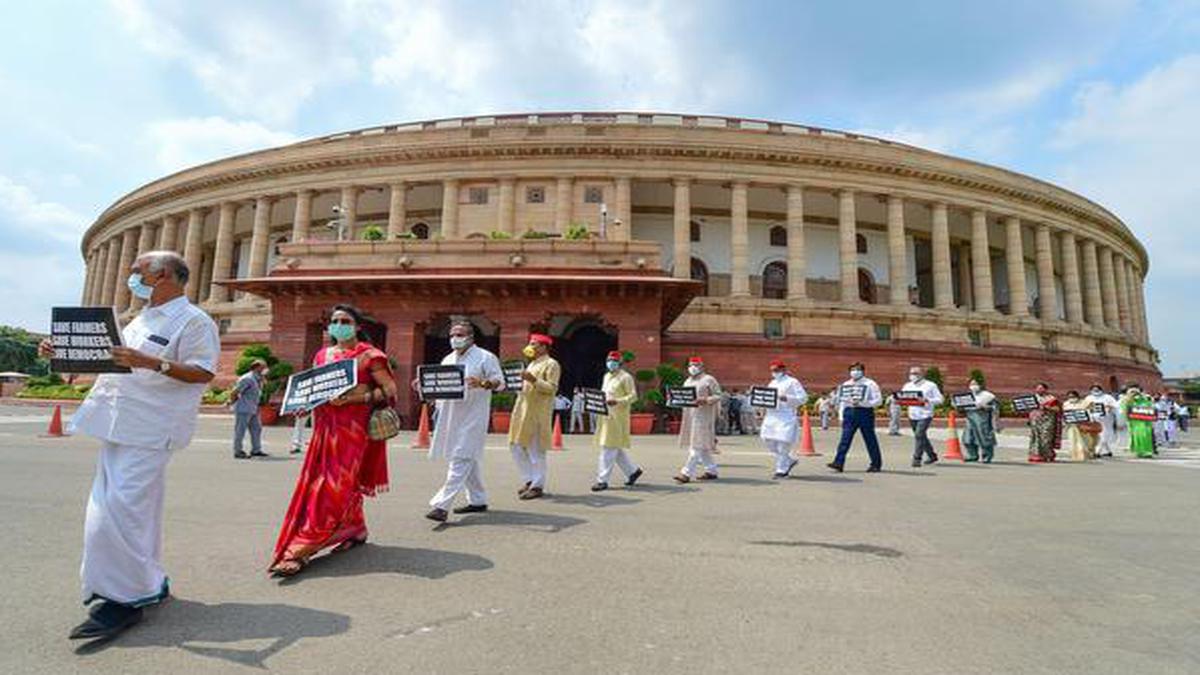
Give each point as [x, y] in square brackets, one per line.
[1099, 96]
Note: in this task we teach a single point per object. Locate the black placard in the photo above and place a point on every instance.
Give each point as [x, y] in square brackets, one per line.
[852, 393]
[1099, 409]
[83, 339]
[310, 388]
[681, 397]
[1162, 415]
[595, 402]
[910, 397]
[1025, 403]
[764, 397]
[963, 401]
[1076, 416]
[512, 376]
[442, 381]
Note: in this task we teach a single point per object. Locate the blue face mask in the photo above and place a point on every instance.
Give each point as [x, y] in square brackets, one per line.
[341, 331]
[612, 365]
[139, 289]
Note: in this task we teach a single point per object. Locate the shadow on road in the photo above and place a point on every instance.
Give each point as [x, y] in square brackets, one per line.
[741, 480]
[656, 488]
[524, 520]
[868, 549]
[201, 629]
[376, 559]
[597, 501]
[822, 478]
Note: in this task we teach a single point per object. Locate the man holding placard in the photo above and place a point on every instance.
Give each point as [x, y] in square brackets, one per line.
[140, 419]
[531, 425]
[463, 424]
[779, 426]
[612, 430]
[1104, 410]
[698, 427]
[857, 398]
[921, 397]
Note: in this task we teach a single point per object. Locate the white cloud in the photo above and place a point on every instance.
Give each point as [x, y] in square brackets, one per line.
[180, 143]
[259, 61]
[24, 214]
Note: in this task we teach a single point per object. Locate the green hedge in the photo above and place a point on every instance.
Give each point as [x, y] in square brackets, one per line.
[63, 392]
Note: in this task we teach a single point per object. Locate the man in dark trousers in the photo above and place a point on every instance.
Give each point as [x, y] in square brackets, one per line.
[735, 412]
[857, 399]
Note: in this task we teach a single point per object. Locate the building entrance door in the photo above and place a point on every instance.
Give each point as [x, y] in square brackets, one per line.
[581, 350]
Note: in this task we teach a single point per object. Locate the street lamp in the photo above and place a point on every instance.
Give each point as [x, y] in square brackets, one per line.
[337, 224]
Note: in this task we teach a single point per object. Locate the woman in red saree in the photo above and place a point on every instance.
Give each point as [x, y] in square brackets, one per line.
[1045, 426]
[342, 464]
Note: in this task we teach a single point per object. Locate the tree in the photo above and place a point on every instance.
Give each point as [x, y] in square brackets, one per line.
[977, 375]
[934, 375]
[18, 352]
[277, 370]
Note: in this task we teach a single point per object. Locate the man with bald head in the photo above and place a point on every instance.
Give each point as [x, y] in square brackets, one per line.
[140, 419]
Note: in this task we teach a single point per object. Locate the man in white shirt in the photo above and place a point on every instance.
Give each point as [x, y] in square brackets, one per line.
[1103, 409]
[577, 412]
[140, 419]
[857, 399]
[779, 426]
[461, 435]
[921, 416]
[562, 408]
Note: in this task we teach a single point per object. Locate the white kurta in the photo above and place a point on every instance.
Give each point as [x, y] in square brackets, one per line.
[781, 423]
[933, 396]
[1108, 421]
[463, 423]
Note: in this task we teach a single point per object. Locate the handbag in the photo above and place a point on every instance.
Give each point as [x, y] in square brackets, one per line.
[384, 424]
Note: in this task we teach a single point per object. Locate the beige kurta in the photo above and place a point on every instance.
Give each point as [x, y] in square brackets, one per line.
[699, 426]
[533, 411]
[612, 430]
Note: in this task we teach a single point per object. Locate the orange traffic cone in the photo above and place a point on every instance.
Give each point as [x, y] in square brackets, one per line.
[806, 441]
[953, 449]
[421, 442]
[556, 442]
[56, 427]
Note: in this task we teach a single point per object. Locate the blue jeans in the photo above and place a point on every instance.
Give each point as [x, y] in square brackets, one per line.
[859, 420]
[242, 423]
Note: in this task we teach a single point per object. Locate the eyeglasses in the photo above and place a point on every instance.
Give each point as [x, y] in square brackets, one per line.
[342, 322]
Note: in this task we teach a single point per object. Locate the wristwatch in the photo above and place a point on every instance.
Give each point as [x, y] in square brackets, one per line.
[164, 366]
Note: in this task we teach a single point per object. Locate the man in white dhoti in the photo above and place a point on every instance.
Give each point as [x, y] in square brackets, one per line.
[779, 426]
[1103, 409]
[612, 434]
[463, 429]
[698, 428]
[140, 419]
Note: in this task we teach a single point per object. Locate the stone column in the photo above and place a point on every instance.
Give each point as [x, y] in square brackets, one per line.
[302, 217]
[121, 295]
[1047, 293]
[89, 278]
[739, 240]
[505, 209]
[192, 246]
[1122, 292]
[682, 227]
[624, 232]
[848, 248]
[1139, 296]
[260, 238]
[1072, 287]
[964, 276]
[797, 256]
[981, 263]
[1093, 303]
[897, 253]
[145, 244]
[112, 258]
[1018, 296]
[168, 234]
[350, 211]
[563, 204]
[223, 255]
[1108, 289]
[450, 208]
[943, 289]
[397, 209]
[206, 268]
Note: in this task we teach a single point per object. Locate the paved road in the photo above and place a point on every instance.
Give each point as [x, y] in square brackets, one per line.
[951, 569]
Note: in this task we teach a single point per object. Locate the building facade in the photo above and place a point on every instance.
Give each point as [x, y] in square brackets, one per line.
[739, 240]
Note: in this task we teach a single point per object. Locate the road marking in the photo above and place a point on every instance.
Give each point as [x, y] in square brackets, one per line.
[1186, 457]
[447, 621]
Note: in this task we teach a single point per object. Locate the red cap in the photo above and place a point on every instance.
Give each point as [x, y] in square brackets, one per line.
[541, 339]
[778, 363]
[616, 356]
[695, 359]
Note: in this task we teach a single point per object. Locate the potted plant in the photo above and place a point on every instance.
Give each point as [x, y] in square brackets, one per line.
[373, 232]
[502, 405]
[641, 419]
[277, 374]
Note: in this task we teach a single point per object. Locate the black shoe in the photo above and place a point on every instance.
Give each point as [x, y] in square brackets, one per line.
[438, 515]
[296, 451]
[916, 464]
[987, 460]
[970, 459]
[874, 469]
[259, 453]
[472, 508]
[931, 460]
[777, 475]
[240, 455]
[106, 620]
[835, 466]
[791, 466]
[599, 487]
[633, 478]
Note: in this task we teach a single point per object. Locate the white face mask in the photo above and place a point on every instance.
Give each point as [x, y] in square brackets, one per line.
[612, 366]
[975, 389]
[459, 341]
[1097, 392]
[778, 374]
[914, 378]
[856, 374]
[695, 370]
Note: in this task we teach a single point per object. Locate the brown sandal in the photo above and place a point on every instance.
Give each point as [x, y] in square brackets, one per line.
[348, 544]
[287, 568]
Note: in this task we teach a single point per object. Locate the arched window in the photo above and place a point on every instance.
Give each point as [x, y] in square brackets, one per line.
[778, 236]
[866, 286]
[699, 272]
[774, 280]
[421, 230]
[861, 242]
[694, 230]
